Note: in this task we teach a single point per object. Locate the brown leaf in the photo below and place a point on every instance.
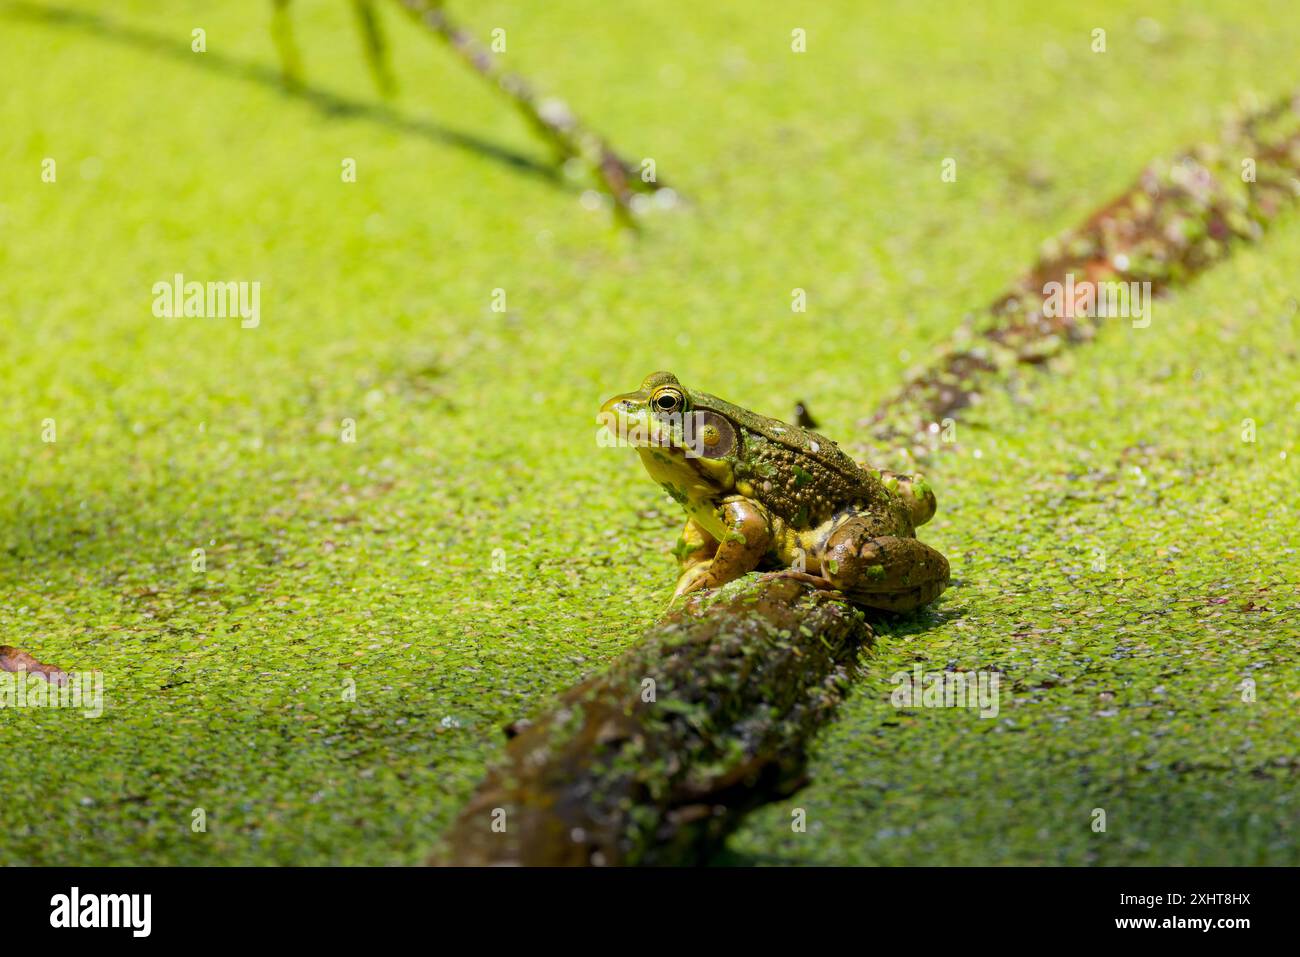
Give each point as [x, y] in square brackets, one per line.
[15, 659]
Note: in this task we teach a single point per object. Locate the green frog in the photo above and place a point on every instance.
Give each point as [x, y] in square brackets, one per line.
[760, 494]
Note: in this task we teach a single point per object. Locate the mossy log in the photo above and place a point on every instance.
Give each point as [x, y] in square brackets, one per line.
[1181, 216]
[657, 759]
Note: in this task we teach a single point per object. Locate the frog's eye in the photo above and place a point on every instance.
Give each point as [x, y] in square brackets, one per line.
[667, 401]
[717, 436]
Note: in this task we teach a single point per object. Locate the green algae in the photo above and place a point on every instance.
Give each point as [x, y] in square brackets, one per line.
[1126, 561]
[333, 685]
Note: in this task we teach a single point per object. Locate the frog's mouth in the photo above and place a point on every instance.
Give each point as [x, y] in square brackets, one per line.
[626, 421]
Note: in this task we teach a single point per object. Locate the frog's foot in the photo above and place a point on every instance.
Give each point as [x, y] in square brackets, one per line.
[817, 581]
[691, 580]
[892, 573]
[915, 493]
[748, 539]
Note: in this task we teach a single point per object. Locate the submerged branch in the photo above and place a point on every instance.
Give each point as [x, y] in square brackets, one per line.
[1183, 215]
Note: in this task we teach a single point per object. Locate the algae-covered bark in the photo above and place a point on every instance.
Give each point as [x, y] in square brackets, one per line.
[658, 758]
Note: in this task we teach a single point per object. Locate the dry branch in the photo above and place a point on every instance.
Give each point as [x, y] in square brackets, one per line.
[569, 138]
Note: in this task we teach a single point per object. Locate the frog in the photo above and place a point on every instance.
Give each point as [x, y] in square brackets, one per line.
[762, 495]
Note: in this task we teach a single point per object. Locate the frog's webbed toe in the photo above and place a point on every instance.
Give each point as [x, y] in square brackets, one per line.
[817, 581]
[693, 579]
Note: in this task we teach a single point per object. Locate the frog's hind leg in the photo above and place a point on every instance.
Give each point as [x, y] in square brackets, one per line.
[915, 493]
[889, 572]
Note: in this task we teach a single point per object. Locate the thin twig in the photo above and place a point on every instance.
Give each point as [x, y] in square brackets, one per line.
[553, 119]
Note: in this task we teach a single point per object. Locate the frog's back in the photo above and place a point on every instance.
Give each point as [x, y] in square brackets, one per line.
[802, 476]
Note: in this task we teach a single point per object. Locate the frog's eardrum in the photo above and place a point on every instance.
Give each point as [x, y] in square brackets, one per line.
[714, 435]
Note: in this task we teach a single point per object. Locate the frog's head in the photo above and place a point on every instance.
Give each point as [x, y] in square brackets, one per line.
[686, 442]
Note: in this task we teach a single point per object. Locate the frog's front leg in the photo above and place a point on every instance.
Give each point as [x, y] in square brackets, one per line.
[748, 537]
[695, 545]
